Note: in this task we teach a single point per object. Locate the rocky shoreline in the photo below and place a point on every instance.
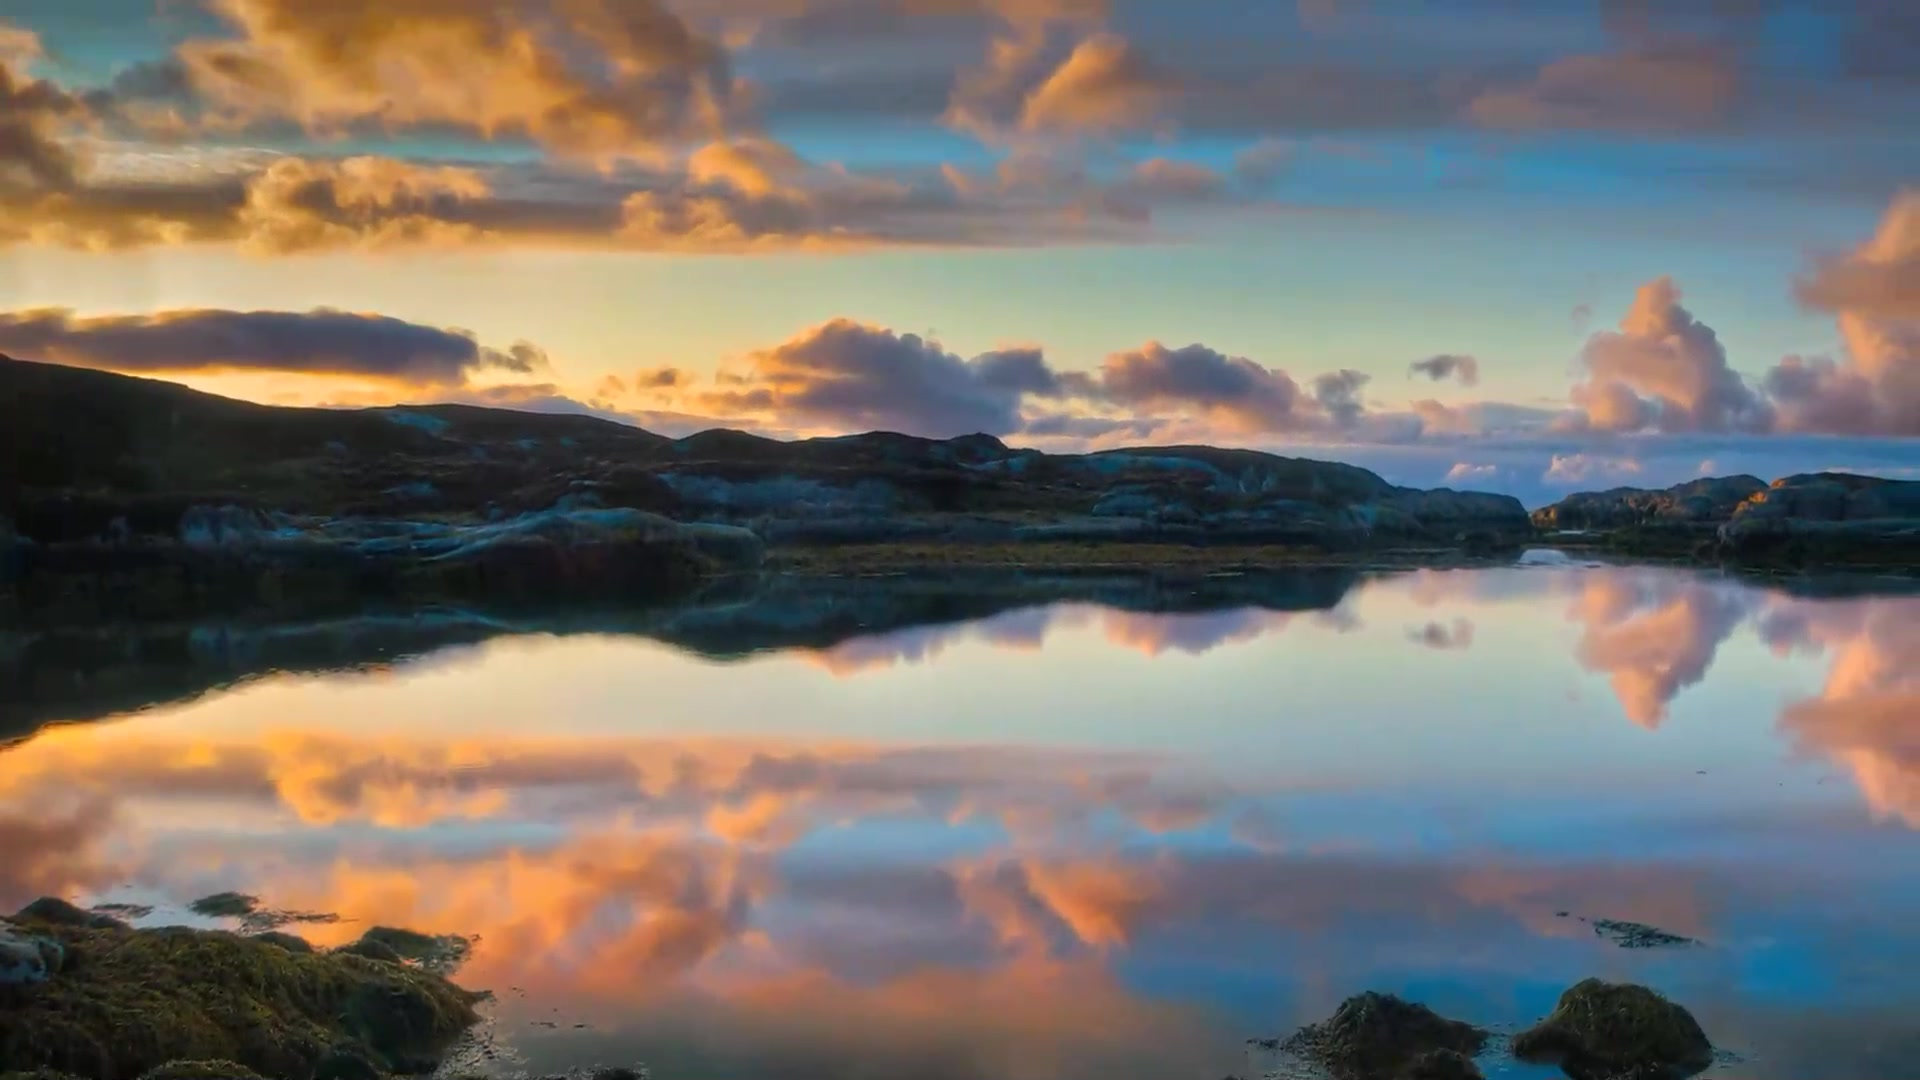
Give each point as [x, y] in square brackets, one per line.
[142, 499]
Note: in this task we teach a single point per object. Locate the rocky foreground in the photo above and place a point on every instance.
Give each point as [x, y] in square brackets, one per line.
[84, 995]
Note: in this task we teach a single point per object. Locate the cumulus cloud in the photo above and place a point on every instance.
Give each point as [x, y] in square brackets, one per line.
[1874, 293]
[1448, 366]
[315, 342]
[1664, 370]
[1576, 469]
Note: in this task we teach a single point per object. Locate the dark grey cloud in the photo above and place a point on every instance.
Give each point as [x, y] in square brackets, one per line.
[1448, 366]
[857, 377]
[1338, 392]
[315, 342]
[1197, 378]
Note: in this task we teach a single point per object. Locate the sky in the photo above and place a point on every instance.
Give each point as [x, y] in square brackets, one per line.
[1497, 244]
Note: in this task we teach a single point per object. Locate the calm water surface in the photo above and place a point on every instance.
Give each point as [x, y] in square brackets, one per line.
[848, 831]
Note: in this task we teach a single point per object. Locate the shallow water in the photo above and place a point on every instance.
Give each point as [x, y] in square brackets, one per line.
[950, 829]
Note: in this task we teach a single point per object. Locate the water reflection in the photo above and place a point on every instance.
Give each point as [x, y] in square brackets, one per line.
[1086, 827]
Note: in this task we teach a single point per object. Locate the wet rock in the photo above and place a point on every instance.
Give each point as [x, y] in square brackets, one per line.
[1442, 1065]
[1601, 1031]
[53, 911]
[1375, 1035]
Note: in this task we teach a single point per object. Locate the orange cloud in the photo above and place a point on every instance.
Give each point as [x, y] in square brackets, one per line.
[593, 78]
[1653, 640]
[1863, 718]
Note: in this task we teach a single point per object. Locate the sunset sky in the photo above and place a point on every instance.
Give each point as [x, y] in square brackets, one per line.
[1506, 244]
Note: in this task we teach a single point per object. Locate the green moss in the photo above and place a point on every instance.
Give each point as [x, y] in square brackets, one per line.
[1600, 1030]
[200, 1070]
[285, 941]
[131, 1001]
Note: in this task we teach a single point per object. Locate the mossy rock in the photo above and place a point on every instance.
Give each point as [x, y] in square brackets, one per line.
[378, 951]
[201, 1070]
[132, 1001]
[53, 911]
[225, 905]
[436, 952]
[1373, 1035]
[1442, 1065]
[290, 942]
[1601, 1030]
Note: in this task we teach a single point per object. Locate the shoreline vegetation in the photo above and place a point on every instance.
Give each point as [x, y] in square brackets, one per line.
[132, 498]
[86, 996]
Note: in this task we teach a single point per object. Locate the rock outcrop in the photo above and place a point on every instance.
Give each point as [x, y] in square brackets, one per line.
[175, 499]
[1708, 501]
[1379, 1035]
[1602, 1031]
[1811, 519]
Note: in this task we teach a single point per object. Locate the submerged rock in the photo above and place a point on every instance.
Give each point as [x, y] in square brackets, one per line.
[1379, 1035]
[1633, 935]
[1602, 1030]
[129, 1002]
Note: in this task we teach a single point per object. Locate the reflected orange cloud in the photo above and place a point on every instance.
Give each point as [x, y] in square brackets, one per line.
[1867, 716]
[1652, 637]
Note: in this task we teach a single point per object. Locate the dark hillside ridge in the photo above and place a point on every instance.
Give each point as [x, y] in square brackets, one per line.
[92, 449]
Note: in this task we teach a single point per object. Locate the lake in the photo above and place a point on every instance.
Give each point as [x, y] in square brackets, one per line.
[1034, 828]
